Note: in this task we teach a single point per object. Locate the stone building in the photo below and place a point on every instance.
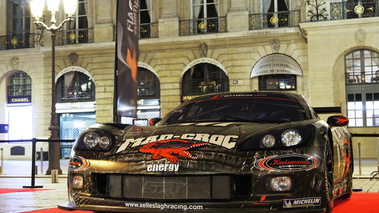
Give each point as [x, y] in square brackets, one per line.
[325, 50]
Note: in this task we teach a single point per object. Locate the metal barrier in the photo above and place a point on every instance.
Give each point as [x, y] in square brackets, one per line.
[34, 142]
[374, 173]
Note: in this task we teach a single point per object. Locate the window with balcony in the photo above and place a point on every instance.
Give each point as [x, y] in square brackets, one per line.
[18, 25]
[205, 18]
[349, 9]
[277, 13]
[77, 31]
[362, 79]
[148, 28]
[75, 87]
[19, 88]
[203, 78]
[274, 14]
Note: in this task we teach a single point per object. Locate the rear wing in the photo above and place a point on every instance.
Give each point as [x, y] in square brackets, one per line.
[325, 110]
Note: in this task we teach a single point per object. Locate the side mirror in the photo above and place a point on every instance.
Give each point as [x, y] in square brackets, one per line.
[154, 121]
[338, 120]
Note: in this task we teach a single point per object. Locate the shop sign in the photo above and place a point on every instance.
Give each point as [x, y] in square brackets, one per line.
[19, 99]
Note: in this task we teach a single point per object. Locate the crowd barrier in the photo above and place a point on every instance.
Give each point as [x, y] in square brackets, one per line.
[34, 145]
[356, 135]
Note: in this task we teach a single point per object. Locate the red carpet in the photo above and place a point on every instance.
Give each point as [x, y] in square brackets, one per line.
[7, 190]
[359, 202]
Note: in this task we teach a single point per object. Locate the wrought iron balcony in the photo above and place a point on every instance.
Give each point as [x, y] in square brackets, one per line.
[17, 41]
[274, 20]
[349, 10]
[202, 26]
[149, 30]
[78, 36]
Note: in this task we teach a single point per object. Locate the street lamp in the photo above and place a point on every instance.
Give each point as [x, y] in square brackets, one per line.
[37, 7]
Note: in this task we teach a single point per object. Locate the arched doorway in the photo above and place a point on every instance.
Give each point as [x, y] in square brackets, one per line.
[148, 90]
[75, 90]
[277, 72]
[19, 106]
[203, 78]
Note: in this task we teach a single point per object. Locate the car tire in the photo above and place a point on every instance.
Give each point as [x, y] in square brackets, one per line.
[329, 179]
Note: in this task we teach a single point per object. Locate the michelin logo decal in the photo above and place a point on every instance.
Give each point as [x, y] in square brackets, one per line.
[302, 202]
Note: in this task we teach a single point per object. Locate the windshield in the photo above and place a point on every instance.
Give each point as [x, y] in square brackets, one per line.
[252, 109]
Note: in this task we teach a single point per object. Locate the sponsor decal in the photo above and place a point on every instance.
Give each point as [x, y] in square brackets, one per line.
[227, 141]
[167, 148]
[290, 162]
[162, 167]
[164, 206]
[302, 202]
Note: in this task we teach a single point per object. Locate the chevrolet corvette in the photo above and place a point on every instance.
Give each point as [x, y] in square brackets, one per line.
[233, 152]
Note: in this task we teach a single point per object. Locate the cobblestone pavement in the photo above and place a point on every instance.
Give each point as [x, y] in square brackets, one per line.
[17, 175]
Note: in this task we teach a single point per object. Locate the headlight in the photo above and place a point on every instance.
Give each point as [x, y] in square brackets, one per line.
[77, 182]
[91, 140]
[105, 142]
[268, 141]
[291, 137]
[280, 184]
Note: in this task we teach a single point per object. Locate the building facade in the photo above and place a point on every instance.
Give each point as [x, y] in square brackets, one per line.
[326, 50]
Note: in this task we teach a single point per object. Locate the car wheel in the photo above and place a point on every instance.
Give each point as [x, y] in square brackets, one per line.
[329, 179]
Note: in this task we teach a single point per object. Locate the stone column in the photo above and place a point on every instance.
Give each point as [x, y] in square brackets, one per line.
[238, 16]
[169, 21]
[3, 18]
[103, 28]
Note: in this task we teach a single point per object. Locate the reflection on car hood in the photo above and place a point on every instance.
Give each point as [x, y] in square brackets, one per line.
[224, 134]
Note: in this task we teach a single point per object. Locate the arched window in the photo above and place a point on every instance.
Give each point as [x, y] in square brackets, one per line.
[277, 82]
[203, 78]
[19, 88]
[362, 79]
[75, 87]
[148, 84]
[276, 72]
[148, 98]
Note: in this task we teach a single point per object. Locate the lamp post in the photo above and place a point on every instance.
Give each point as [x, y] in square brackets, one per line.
[37, 7]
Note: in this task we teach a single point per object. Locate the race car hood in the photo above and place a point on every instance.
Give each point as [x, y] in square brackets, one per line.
[228, 135]
[202, 147]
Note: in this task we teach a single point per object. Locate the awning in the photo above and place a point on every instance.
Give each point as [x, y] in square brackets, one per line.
[275, 64]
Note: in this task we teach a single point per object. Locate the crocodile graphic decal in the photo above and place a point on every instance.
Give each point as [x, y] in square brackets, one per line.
[166, 148]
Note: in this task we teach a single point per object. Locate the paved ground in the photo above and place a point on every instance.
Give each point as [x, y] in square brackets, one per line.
[17, 175]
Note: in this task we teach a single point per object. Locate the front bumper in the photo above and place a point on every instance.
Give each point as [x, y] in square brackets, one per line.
[234, 206]
[229, 193]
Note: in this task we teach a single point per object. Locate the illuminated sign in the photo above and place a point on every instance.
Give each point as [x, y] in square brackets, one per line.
[19, 99]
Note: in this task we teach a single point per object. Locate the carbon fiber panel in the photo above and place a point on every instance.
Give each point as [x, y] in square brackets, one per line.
[204, 187]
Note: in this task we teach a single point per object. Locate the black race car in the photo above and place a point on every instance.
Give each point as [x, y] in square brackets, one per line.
[257, 151]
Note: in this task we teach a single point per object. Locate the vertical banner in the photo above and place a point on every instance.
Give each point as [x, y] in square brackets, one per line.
[126, 63]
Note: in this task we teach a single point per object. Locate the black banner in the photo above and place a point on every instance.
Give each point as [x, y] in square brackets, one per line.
[125, 96]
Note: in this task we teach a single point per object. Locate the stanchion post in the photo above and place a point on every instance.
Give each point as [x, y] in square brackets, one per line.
[41, 160]
[34, 141]
[359, 159]
[2, 161]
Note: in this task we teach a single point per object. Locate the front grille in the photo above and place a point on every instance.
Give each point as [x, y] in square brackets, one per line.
[140, 187]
